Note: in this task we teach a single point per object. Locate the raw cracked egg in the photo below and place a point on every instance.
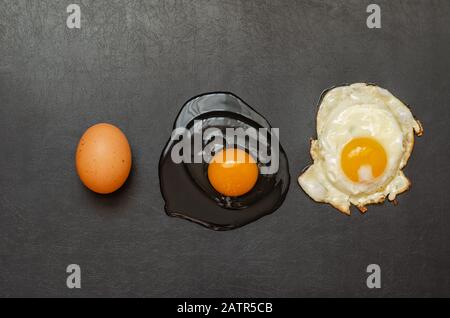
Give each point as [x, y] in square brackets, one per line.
[365, 136]
[103, 158]
[236, 184]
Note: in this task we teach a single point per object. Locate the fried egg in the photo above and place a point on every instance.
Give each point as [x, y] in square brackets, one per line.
[365, 136]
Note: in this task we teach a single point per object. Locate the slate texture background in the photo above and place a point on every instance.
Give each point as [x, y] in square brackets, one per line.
[134, 63]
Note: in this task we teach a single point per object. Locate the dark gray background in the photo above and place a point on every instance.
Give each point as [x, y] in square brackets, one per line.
[134, 63]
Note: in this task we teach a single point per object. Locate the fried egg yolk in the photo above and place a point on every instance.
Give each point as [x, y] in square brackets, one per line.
[233, 172]
[363, 159]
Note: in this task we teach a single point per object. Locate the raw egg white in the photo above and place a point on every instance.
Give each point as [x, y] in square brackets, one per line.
[103, 158]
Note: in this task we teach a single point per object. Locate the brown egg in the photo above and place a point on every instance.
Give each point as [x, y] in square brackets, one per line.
[103, 158]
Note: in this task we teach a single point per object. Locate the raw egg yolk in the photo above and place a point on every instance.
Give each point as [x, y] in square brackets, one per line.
[233, 172]
[363, 159]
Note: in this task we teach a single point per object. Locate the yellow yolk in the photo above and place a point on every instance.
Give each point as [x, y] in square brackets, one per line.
[233, 172]
[363, 159]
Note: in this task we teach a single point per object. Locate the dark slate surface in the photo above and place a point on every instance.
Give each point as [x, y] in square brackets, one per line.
[134, 63]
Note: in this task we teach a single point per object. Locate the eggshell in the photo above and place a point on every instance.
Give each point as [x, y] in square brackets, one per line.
[103, 158]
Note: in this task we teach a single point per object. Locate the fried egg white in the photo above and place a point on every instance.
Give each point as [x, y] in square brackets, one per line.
[365, 136]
